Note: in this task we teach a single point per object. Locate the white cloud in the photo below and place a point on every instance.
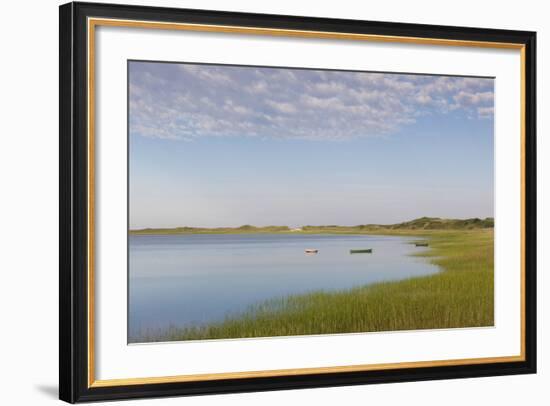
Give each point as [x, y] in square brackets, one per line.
[473, 99]
[257, 88]
[187, 101]
[485, 112]
[282, 107]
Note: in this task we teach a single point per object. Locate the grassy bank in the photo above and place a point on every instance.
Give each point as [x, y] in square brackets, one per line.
[459, 296]
[422, 223]
[246, 229]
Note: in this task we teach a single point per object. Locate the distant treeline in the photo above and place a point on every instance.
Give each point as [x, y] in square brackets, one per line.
[217, 230]
[423, 223]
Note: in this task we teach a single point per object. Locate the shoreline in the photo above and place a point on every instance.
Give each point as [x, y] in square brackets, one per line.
[460, 295]
[422, 224]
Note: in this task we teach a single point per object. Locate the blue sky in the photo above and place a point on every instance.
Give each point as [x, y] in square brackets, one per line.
[214, 145]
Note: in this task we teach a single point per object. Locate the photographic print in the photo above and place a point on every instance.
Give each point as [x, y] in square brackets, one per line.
[291, 202]
[275, 201]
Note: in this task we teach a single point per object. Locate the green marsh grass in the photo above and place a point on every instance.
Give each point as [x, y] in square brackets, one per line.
[461, 295]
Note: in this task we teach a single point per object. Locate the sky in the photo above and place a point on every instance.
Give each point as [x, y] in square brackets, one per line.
[223, 146]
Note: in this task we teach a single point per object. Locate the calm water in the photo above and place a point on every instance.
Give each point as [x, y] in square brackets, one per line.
[179, 280]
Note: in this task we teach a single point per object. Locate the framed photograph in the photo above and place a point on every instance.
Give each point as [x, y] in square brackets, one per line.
[257, 202]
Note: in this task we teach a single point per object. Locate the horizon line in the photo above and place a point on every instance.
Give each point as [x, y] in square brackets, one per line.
[313, 225]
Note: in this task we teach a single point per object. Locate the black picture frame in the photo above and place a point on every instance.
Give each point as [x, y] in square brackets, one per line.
[74, 199]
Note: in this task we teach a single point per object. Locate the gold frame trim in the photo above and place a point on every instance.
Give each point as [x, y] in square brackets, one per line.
[94, 22]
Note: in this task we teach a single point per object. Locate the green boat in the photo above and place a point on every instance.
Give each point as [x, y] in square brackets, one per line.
[361, 251]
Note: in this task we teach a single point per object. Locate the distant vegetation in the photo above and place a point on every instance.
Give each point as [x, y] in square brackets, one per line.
[459, 296]
[434, 223]
[423, 223]
[246, 229]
